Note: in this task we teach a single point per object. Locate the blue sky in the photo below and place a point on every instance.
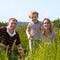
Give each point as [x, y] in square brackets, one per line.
[20, 9]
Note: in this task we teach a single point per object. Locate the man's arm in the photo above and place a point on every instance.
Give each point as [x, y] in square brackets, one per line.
[1, 33]
[19, 47]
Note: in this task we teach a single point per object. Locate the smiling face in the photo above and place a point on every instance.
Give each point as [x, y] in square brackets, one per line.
[46, 24]
[34, 17]
[12, 24]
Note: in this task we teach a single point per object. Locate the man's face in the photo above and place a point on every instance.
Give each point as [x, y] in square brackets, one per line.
[12, 24]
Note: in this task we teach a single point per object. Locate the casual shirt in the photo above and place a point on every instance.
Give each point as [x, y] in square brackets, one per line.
[34, 29]
[7, 38]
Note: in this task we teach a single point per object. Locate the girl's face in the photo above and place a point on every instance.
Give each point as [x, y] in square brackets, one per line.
[12, 24]
[46, 25]
[34, 17]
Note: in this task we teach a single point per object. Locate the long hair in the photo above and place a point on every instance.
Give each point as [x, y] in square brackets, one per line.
[42, 28]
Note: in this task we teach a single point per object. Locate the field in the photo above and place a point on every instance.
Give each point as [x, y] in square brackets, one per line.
[45, 51]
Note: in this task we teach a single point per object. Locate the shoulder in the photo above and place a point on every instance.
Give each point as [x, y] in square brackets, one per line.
[29, 24]
[17, 34]
[53, 34]
[40, 22]
[3, 28]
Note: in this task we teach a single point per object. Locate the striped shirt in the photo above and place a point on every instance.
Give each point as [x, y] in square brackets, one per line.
[6, 39]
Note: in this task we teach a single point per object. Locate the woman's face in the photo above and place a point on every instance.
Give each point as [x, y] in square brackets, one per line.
[46, 25]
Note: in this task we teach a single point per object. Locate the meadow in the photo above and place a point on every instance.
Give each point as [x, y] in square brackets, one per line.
[45, 51]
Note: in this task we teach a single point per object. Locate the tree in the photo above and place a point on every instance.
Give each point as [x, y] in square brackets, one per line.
[56, 23]
[3, 24]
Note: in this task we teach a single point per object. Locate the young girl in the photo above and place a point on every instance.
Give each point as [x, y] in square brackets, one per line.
[33, 30]
[47, 32]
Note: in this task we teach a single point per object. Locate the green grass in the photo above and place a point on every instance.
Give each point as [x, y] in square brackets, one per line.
[45, 51]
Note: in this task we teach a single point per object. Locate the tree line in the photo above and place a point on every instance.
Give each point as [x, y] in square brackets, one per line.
[56, 23]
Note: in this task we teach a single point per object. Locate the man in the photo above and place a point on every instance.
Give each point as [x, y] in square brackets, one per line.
[9, 36]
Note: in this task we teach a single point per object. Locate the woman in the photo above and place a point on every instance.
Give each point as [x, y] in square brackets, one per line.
[47, 32]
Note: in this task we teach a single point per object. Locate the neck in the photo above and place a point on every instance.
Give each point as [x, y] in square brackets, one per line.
[36, 22]
[11, 30]
[47, 32]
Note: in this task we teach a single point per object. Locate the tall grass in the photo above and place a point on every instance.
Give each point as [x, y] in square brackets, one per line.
[46, 50]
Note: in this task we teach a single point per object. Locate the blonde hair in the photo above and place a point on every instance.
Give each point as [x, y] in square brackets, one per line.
[13, 19]
[32, 13]
[50, 29]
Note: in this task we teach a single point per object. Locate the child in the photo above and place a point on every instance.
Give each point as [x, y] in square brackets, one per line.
[33, 30]
[47, 32]
[8, 35]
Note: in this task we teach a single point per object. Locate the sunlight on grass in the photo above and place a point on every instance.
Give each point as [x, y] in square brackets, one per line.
[46, 50]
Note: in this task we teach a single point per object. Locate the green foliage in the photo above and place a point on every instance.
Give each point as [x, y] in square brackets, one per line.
[46, 50]
[56, 23]
[3, 55]
[3, 24]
